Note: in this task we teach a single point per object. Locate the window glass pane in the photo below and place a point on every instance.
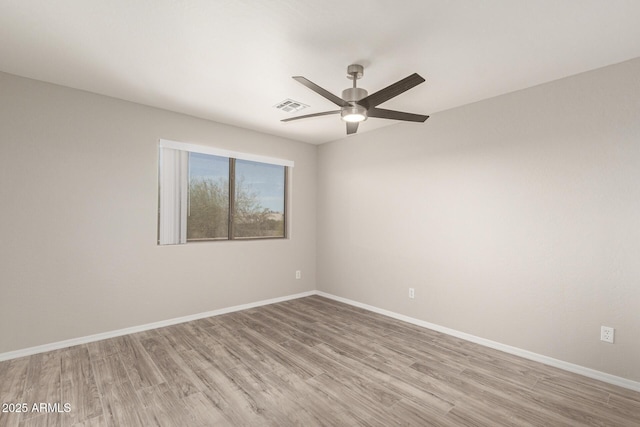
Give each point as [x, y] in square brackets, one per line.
[259, 200]
[208, 210]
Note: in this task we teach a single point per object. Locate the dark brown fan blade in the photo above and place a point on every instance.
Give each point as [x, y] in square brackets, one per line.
[381, 113]
[325, 113]
[352, 127]
[323, 92]
[391, 91]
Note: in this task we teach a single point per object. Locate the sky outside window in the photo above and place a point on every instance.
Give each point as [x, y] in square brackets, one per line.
[265, 181]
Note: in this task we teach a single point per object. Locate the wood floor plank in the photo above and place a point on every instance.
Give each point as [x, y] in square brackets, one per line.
[470, 389]
[228, 321]
[121, 404]
[337, 371]
[496, 392]
[42, 384]
[98, 421]
[309, 362]
[290, 332]
[238, 407]
[474, 415]
[271, 401]
[373, 319]
[360, 408]
[101, 349]
[267, 331]
[171, 366]
[582, 406]
[286, 317]
[280, 355]
[142, 371]
[165, 408]
[200, 412]
[386, 383]
[125, 414]
[299, 315]
[561, 387]
[13, 372]
[361, 341]
[43, 420]
[79, 388]
[412, 378]
[13, 377]
[496, 360]
[244, 350]
[325, 336]
[569, 407]
[408, 413]
[516, 373]
[324, 410]
[425, 352]
[627, 406]
[201, 339]
[338, 318]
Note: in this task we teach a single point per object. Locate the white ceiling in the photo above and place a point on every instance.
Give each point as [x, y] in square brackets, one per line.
[231, 61]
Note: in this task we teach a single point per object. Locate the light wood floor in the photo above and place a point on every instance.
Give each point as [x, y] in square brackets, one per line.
[306, 362]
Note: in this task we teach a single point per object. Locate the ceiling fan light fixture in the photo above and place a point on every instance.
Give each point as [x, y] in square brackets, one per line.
[354, 114]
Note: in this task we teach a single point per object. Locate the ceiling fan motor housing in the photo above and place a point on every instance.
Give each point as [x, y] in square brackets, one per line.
[354, 112]
[354, 94]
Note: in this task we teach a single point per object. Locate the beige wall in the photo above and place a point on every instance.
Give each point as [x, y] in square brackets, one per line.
[78, 194]
[516, 219]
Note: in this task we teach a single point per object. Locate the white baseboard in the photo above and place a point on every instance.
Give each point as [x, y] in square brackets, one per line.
[111, 334]
[577, 369]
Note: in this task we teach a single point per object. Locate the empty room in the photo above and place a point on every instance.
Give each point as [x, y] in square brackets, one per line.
[319, 213]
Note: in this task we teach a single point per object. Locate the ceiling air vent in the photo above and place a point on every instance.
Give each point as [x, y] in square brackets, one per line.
[290, 106]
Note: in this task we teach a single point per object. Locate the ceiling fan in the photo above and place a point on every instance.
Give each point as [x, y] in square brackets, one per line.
[356, 105]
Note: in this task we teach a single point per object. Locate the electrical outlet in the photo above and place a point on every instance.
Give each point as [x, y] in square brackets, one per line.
[412, 293]
[298, 274]
[607, 334]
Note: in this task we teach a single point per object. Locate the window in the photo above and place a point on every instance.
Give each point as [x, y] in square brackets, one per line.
[209, 194]
[259, 200]
[208, 198]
